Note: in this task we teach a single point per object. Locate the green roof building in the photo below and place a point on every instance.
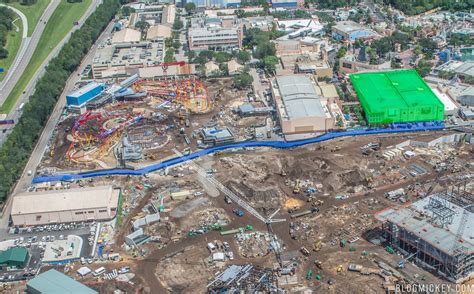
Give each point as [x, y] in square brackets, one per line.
[14, 256]
[396, 96]
[54, 282]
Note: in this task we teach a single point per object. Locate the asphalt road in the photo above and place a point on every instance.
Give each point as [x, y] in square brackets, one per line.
[43, 141]
[15, 113]
[23, 46]
[14, 75]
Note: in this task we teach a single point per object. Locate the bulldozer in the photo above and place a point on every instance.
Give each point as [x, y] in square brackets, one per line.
[297, 187]
[317, 245]
[318, 264]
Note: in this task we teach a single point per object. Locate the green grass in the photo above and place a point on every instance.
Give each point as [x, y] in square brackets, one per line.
[33, 12]
[118, 220]
[60, 23]
[13, 44]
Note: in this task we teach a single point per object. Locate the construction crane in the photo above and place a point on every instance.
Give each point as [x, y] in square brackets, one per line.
[232, 196]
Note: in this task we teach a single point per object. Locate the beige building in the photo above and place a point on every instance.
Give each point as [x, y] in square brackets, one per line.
[300, 108]
[126, 36]
[65, 206]
[155, 33]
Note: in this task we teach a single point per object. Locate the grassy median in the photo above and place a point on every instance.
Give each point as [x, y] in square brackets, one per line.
[32, 12]
[60, 23]
[13, 45]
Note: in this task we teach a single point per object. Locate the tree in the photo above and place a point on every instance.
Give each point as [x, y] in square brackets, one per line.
[341, 52]
[190, 54]
[427, 44]
[127, 10]
[224, 69]
[243, 57]
[169, 55]
[3, 53]
[178, 24]
[143, 26]
[176, 44]
[190, 7]
[269, 63]
[264, 49]
[424, 67]
[243, 80]
[221, 57]
[207, 55]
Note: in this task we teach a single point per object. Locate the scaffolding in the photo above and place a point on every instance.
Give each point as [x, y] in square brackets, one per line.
[433, 231]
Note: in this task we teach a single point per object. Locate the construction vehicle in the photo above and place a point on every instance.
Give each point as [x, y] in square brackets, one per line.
[389, 249]
[317, 245]
[342, 243]
[249, 228]
[238, 212]
[339, 268]
[318, 264]
[352, 248]
[309, 274]
[318, 277]
[304, 251]
[297, 187]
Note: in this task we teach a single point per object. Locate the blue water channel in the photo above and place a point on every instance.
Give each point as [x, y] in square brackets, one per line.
[393, 128]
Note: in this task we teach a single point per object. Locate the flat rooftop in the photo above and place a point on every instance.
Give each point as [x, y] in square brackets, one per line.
[393, 89]
[417, 219]
[299, 96]
[81, 91]
[130, 54]
[64, 200]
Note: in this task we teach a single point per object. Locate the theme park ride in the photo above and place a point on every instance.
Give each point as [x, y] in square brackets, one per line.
[191, 92]
[94, 134]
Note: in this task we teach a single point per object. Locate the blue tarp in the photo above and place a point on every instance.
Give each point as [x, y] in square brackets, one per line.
[393, 128]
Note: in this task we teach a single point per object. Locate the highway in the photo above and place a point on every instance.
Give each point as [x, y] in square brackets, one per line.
[15, 113]
[43, 141]
[26, 51]
[21, 51]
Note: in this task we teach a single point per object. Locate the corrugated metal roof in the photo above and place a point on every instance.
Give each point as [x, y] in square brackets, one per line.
[299, 96]
[17, 254]
[54, 282]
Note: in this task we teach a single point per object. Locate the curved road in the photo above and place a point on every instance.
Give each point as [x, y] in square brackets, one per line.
[21, 52]
[28, 91]
[245, 144]
[26, 50]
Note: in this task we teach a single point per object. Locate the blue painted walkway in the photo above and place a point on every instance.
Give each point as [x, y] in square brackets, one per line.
[394, 128]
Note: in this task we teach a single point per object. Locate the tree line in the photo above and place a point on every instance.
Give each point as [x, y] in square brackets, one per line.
[6, 18]
[412, 7]
[17, 148]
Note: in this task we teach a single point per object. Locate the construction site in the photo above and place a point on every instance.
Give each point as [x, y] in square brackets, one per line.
[143, 119]
[308, 218]
[263, 219]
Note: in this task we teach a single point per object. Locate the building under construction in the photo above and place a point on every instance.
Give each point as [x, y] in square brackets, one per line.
[437, 232]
